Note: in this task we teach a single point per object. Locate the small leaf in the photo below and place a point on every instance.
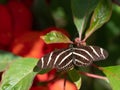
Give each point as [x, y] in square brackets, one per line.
[81, 10]
[6, 58]
[113, 75]
[100, 16]
[19, 75]
[55, 37]
[75, 77]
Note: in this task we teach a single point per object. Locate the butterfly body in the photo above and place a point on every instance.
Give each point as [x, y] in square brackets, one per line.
[64, 59]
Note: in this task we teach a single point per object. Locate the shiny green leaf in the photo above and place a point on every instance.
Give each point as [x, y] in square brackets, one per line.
[19, 75]
[113, 75]
[81, 10]
[75, 77]
[101, 15]
[55, 37]
[6, 58]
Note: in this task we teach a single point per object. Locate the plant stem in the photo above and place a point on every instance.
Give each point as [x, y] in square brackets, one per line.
[94, 76]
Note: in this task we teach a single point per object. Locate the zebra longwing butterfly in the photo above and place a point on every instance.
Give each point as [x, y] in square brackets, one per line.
[64, 59]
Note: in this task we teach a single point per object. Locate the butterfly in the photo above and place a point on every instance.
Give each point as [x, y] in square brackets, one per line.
[65, 59]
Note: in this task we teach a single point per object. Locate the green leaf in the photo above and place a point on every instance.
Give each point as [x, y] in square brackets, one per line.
[81, 10]
[55, 37]
[75, 77]
[19, 75]
[100, 16]
[113, 75]
[6, 58]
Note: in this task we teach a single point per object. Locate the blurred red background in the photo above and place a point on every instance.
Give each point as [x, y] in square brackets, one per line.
[18, 37]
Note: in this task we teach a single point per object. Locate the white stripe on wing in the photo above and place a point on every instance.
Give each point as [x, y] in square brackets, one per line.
[42, 62]
[85, 52]
[78, 54]
[60, 55]
[65, 58]
[49, 59]
[101, 51]
[94, 51]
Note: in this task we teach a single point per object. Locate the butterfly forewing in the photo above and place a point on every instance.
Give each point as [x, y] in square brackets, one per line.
[59, 59]
[43, 62]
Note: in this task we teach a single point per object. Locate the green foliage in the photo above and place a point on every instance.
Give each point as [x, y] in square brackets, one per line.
[113, 74]
[81, 11]
[101, 15]
[19, 75]
[20, 72]
[75, 77]
[6, 58]
[55, 37]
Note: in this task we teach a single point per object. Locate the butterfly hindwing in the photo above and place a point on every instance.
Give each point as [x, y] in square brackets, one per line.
[59, 59]
[81, 57]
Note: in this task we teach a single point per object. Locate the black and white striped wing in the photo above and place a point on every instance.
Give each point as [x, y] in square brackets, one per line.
[85, 55]
[64, 59]
[59, 59]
